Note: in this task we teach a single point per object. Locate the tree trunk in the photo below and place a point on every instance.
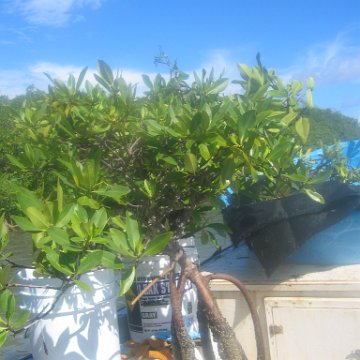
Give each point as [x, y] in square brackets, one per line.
[228, 345]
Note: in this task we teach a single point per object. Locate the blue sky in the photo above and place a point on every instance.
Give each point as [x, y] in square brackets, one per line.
[297, 38]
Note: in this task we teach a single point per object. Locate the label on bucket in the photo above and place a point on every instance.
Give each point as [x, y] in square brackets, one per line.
[152, 313]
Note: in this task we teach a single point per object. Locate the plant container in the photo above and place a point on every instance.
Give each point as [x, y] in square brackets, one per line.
[82, 324]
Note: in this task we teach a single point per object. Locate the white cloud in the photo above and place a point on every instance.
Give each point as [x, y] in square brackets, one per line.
[49, 12]
[12, 82]
[334, 62]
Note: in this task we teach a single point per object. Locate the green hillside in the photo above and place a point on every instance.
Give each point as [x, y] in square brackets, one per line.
[328, 126]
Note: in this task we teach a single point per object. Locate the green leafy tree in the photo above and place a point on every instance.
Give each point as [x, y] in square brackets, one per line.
[118, 176]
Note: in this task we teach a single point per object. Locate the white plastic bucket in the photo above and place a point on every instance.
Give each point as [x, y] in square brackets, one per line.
[152, 313]
[83, 324]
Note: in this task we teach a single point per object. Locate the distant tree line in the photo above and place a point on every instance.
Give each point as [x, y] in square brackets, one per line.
[328, 126]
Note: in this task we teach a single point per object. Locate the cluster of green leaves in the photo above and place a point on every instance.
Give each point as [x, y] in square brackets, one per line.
[117, 176]
[11, 142]
[165, 157]
[334, 166]
[11, 318]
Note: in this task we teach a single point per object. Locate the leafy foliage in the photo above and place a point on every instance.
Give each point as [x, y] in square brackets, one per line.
[116, 176]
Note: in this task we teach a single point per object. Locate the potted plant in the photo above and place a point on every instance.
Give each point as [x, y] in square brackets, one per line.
[146, 171]
[72, 290]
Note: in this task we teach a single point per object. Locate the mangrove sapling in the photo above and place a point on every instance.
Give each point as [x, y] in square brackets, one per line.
[159, 163]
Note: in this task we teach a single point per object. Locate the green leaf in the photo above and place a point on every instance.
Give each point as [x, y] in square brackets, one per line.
[309, 98]
[289, 117]
[296, 177]
[246, 121]
[220, 228]
[278, 93]
[59, 196]
[89, 173]
[58, 235]
[119, 221]
[158, 244]
[86, 201]
[111, 261]
[315, 196]
[4, 232]
[319, 178]
[170, 160]
[14, 161]
[20, 318]
[3, 336]
[310, 83]
[190, 163]
[218, 140]
[102, 82]
[105, 71]
[76, 227]
[81, 214]
[245, 71]
[228, 169]
[40, 240]
[127, 280]
[90, 261]
[7, 304]
[204, 152]
[119, 243]
[54, 260]
[27, 198]
[214, 241]
[219, 86]
[149, 188]
[132, 230]
[302, 127]
[81, 78]
[115, 191]
[37, 218]
[153, 127]
[204, 236]
[65, 216]
[100, 219]
[172, 132]
[296, 87]
[100, 240]
[25, 224]
[83, 285]
[147, 81]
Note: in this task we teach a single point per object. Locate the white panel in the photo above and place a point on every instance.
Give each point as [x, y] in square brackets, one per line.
[306, 328]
